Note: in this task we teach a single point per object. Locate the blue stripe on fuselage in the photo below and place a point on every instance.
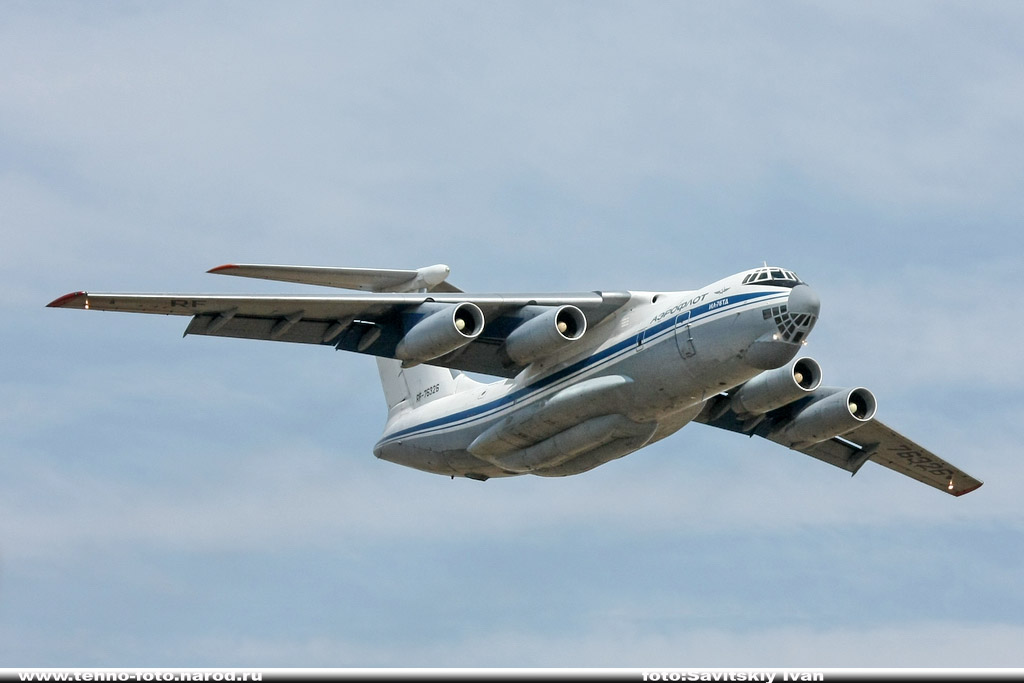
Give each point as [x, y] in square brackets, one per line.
[702, 313]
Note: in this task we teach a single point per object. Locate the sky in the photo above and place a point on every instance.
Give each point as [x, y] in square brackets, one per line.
[215, 502]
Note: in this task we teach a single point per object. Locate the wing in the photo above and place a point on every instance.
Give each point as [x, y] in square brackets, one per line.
[374, 323]
[884, 445]
[870, 440]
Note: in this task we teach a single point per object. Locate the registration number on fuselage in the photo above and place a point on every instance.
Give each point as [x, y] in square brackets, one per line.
[429, 391]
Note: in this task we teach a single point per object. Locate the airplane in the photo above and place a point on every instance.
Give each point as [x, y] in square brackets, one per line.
[581, 379]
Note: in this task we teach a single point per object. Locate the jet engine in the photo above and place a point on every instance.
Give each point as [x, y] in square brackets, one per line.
[545, 333]
[776, 388]
[444, 328]
[835, 413]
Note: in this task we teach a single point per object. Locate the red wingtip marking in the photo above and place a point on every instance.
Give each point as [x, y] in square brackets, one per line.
[226, 266]
[65, 301]
[963, 493]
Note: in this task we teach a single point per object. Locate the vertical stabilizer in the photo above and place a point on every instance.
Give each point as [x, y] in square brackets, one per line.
[415, 386]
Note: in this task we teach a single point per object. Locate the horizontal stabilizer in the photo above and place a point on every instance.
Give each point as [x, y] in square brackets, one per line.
[431, 278]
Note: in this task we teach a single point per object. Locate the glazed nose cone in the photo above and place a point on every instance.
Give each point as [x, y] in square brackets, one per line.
[804, 300]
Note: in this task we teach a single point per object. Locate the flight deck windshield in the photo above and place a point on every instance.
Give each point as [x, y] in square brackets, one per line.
[778, 277]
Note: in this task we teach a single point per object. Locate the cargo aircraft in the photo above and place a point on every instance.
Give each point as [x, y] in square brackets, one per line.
[581, 379]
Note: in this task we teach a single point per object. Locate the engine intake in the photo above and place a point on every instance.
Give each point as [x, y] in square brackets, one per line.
[834, 414]
[776, 388]
[545, 333]
[445, 328]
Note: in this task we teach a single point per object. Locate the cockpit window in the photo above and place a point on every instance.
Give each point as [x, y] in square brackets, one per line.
[778, 277]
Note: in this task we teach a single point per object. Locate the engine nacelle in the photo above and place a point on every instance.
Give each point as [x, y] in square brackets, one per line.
[776, 388]
[445, 328]
[835, 414]
[545, 333]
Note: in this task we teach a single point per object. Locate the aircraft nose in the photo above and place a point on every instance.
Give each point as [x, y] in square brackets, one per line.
[804, 301]
[790, 326]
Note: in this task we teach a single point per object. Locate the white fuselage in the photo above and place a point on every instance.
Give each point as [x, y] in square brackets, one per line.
[638, 376]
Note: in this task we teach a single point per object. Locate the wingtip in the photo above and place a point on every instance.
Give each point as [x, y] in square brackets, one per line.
[72, 300]
[966, 491]
[221, 269]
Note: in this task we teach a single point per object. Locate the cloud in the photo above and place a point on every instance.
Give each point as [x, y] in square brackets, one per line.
[227, 493]
[218, 498]
[912, 644]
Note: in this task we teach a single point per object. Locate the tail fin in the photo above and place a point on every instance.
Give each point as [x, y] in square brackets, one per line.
[414, 386]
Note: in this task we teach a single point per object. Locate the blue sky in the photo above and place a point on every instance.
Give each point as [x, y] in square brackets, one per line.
[215, 502]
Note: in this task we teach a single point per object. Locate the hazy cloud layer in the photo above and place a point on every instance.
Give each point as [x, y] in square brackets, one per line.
[215, 502]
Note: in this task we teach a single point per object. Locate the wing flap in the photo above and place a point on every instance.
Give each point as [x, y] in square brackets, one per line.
[270, 329]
